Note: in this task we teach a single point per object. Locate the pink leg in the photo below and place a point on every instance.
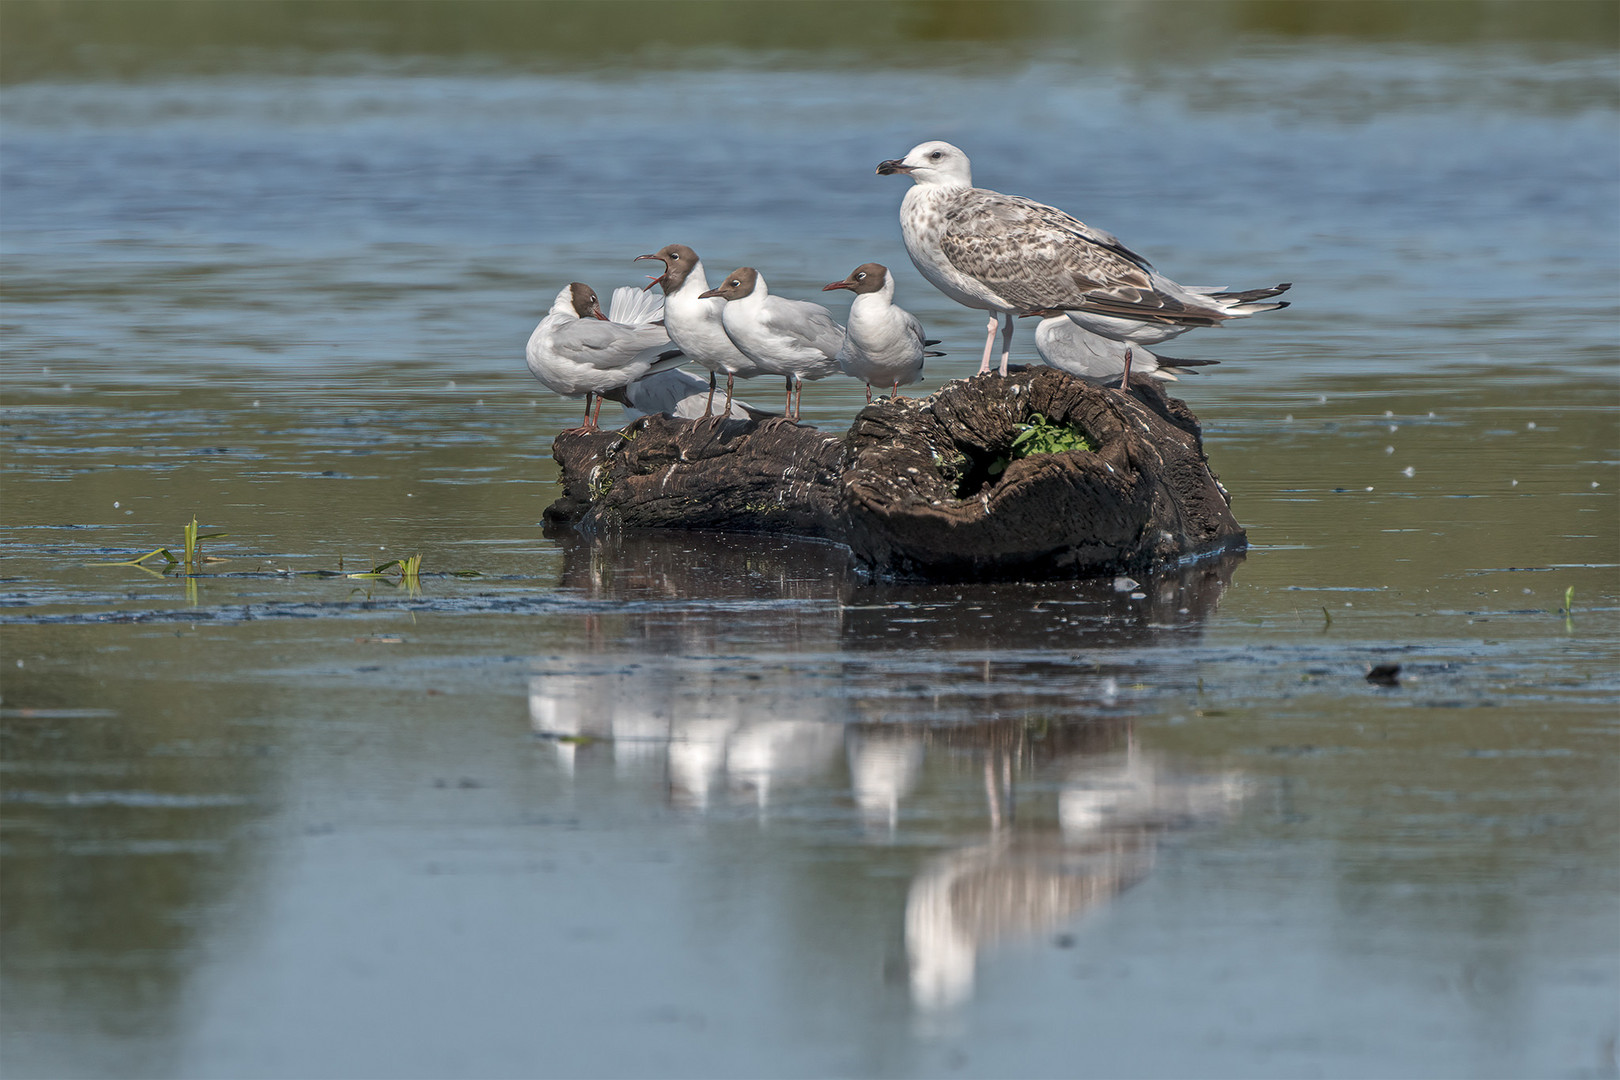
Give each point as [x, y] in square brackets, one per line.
[1125, 381]
[787, 410]
[1006, 343]
[708, 406]
[597, 415]
[586, 423]
[730, 379]
[989, 343]
[869, 393]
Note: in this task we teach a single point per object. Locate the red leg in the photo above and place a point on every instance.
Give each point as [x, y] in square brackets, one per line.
[708, 406]
[1125, 381]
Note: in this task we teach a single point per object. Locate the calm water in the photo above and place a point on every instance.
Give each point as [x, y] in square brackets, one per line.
[702, 806]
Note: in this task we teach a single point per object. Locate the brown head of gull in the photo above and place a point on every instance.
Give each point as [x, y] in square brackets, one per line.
[1012, 256]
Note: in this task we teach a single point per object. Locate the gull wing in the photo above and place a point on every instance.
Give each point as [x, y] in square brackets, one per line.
[1037, 257]
[607, 345]
[806, 323]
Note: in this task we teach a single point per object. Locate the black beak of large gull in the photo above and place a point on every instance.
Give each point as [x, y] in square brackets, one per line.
[888, 168]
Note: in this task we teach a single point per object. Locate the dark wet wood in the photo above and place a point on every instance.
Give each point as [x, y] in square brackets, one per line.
[908, 488]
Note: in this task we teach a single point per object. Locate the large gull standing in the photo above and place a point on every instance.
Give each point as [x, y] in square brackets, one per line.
[1012, 256]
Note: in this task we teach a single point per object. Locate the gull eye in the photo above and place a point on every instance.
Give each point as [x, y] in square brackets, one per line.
[860, 277]
[936, 155]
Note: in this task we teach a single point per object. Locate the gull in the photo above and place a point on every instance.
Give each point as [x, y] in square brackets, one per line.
[573, 355]
[1095, 358]
[792, 338]
[1068, 347]
[884, 344]
[678, 394]
[693, 322]
[1009, 255]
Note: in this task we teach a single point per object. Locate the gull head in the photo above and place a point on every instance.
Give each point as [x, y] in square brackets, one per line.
[866, 278]
[738, 284]
[679, 261]
[582, 299]
[932, 163]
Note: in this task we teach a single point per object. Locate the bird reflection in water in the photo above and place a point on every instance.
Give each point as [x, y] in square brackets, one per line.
[742, 671]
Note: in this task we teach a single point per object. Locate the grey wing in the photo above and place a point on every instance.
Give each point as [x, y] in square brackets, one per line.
[809, 323]
[914, 328]
[1037, 257]
[608, 345]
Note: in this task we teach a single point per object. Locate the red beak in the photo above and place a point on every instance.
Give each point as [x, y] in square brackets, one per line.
[659, 280]
[836, 285]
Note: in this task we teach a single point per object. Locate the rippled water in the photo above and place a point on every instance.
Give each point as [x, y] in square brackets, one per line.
[695, 805]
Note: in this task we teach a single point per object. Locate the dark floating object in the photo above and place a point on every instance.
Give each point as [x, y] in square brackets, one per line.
[1384, 675]
[923, 488]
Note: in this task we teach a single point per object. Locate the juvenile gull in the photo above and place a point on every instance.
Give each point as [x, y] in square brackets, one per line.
[884, 344]
[1009, 255]
[792, 338]
[693, 321]
[578, 350]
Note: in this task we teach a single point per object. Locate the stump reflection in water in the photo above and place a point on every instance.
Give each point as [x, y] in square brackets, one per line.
[982, 726]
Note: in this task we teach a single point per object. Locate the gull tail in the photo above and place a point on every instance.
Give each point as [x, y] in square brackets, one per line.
[632, 307]
[1171, 367]
[1245, 302]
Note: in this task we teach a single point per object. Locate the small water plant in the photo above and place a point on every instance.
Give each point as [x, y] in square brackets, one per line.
[409, 571]
[191, 556]
[1042, 436]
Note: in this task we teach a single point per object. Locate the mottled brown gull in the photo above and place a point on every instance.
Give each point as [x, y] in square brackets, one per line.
[1011, 256]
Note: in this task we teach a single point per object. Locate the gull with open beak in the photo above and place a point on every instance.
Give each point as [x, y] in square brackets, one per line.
[884, 343]
[578, 350]
[693, 321]
[792, 338]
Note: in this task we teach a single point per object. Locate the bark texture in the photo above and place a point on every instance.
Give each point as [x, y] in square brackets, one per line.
[910, 489]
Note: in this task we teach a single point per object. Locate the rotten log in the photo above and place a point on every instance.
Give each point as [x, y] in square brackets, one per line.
[912, 489]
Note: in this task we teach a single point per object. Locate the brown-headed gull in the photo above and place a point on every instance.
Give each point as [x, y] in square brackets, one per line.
[884, 344]
[578, 350]
[792, 338]
[1009, 255]
[693, 321]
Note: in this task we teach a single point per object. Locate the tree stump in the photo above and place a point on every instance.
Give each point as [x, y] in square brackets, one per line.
[912, 489]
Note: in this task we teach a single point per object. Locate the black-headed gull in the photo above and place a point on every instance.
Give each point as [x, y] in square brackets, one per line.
[693, 321]
[1009, 255]
[792, 338]
[884, 343]
[578, 350]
